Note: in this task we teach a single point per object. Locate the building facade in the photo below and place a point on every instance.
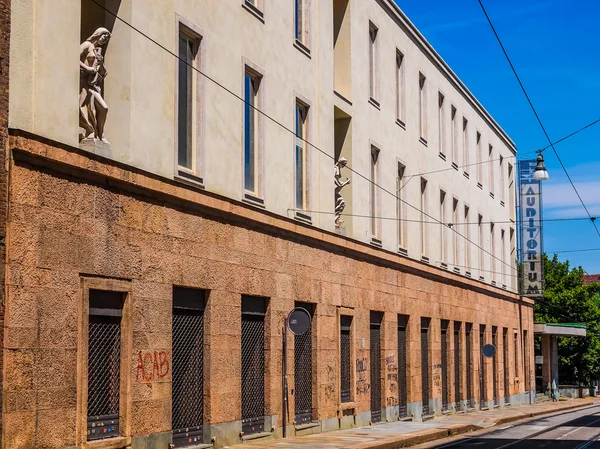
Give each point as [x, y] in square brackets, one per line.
[230, 161]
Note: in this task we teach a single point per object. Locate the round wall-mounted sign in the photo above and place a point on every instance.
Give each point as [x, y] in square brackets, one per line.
[299, 321]
[488, 350]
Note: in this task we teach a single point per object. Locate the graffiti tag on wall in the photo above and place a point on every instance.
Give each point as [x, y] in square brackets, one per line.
[152, 366]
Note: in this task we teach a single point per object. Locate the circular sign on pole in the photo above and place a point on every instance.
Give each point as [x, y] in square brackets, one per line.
[488, 350]
[299, 321]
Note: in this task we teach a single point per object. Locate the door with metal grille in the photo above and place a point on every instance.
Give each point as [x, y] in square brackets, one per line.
[425, 365]
[402, 393]
[495, 365]
[482, 402]
[303, 372]
[104, 364]
[445, 324]
[469, 372]
[253, 364]
[375, 365]
[188, 366]
[457, 380]
[505, 364]
[345, 324]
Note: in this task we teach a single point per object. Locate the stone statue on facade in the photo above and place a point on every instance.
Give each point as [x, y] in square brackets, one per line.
[92, 71]
[340, 204]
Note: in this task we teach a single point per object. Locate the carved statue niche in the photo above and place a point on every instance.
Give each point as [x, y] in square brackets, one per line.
[340, 204]
[92, 71]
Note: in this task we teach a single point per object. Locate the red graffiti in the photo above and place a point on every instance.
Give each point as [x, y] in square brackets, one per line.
[152, 366]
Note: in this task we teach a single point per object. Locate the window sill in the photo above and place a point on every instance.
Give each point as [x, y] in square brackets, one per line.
[466, 174]
[480, 185]
[442, 156]
[455, 166]
[494, 283]
[342, 97]
[253, 10]
[252, 199]
[502, 203]
[444, 265]
[492, 195]
[304, 218]
[468, 274]
[107, 443]
[376, 242]
[425, 259]
[423, 140]
[400, 123]
[375, 103]
[402, 251]
[302, 48]
[456, 269]
[482, 278]
[188, 178]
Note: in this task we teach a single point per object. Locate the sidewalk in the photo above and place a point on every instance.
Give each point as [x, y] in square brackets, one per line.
[404, 434]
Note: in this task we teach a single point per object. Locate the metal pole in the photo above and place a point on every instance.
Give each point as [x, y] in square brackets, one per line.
[284, 378]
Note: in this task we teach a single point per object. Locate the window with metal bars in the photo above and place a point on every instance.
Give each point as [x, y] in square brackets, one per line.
[516, 352]
[402, 393]
[253, 364]
[444, 329]
[375, 365]
[469, 372]
[526, 374]
[495, 365]
[187, 366]
[345, 325]
[505, 365]
[482, 398]
[425, 380]
[104, 364]
[457, 379]
[303, 371]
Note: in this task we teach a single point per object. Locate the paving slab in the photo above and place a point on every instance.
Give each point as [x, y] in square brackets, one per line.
[404, 434]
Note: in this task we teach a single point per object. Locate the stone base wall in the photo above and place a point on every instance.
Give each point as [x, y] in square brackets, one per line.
[77, 220]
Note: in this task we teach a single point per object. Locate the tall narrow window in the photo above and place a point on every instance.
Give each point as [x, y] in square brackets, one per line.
[493, 274]
[512, 260]
[501, 175]
[454, 136]
[445, 324]
[467, 244]
[303, 371]
[495, 363]
[425, 372]
[479, 160]
[374, 193]
[399, 86]
[301, 155]
[511, 192]
[465, 157]
[469, 363]
[422, 107]
[516, 351]
[400, 224]
[373, 73]
[492, 166]
[345, 324]
[502, 257]
[481, 247]
[506, 381]
[251, 131]
[253, 364]
[187, 115]
[443, 244]
[424, 218]
[441, 123]
[526, 363]
[301, 22]
[188, 365]
[455, 238]
[402, 372]
[375, 364]
[457, 368]
[482, 369]
[104, 364]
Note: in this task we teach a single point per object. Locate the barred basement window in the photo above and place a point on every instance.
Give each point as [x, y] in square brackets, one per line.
[495, 365]
[457, 379]
[445, 324]
[375, 365]
[402, 393]
[253, 364]
[188, 366]
[345, 325]
[469, 372]
[104, 364]
[505, 364]
[303, 377]
[425, 375]
[482, 376]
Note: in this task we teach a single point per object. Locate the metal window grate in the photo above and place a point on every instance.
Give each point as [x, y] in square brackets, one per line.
[188, 366]
[457, 380]
[425, 365]
[469, 372]
[495, 366]
[402, 393]
[505, 364]
[104, 363]
[346, 322]
[303, 374]
[482, 402]
[526, 374]
[253, 365]
[375, 366]
[445, 365]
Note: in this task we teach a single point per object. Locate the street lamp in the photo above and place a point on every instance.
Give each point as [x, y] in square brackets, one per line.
[540, 173]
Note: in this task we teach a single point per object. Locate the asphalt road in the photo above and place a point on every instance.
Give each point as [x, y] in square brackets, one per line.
[571, 430]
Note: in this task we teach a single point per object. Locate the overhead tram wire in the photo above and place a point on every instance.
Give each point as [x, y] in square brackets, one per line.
[267, 116]
[551, 145]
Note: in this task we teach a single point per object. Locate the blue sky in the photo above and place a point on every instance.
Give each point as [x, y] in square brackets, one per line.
[554, 46]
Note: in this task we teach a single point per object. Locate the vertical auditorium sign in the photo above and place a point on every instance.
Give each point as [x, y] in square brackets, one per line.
[530, 192]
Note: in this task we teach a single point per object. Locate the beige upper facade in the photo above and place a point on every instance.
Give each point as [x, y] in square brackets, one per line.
[352, 77]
